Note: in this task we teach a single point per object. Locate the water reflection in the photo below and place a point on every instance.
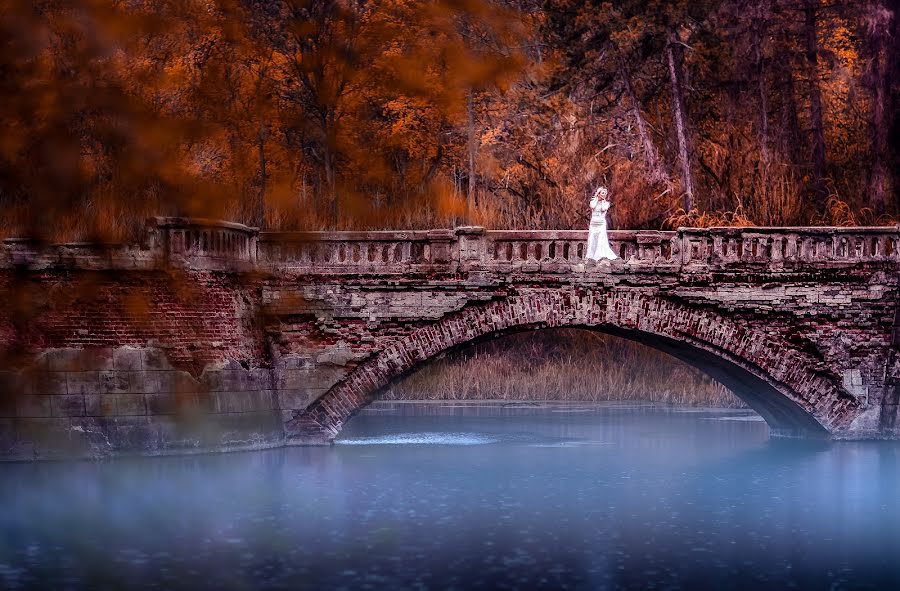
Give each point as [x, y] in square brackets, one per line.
[471, 496]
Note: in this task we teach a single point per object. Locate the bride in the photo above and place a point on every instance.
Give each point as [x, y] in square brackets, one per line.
[598, 242]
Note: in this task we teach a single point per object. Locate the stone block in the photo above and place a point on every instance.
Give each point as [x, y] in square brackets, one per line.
[83, 382]
[297, 399]
[64, 359]
[49, 382]
[162, 404]
[290, 379]
[33, 406]
[151, 381]
[127, 359]
[225, 380]
[14, 384]
[201, 403]
[99, 405]
[97, 359]
[130, 404]
[242, 401]
[8, 403]
[8, 448]
[260, 379]
[67, 405]
[121, 382]
[175, 381]
[155, 359]
[296, 362]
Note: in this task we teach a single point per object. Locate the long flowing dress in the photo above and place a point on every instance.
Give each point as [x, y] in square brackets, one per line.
[598, 241]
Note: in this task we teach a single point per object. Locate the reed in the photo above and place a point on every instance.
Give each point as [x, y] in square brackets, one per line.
[565, 365]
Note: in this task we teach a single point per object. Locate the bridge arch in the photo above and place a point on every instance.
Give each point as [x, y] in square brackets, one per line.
[776, 379]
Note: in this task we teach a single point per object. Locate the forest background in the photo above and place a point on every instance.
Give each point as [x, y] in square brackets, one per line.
[320, 114]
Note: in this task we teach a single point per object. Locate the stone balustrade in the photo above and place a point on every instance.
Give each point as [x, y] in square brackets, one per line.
[215, 245]
[356, 251]
[562, 249]
[203, 243]
[774, 246]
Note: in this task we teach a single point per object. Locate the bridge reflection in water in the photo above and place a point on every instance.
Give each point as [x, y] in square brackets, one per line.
[305, 328]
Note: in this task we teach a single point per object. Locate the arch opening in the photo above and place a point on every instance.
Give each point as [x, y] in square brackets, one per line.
[783, 416]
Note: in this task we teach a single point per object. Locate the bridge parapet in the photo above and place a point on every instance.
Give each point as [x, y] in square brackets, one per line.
[216, 245]
[187, 242]
[204, 244]
[358, 251]
[472, 248]
[789, 247]
[561, 250]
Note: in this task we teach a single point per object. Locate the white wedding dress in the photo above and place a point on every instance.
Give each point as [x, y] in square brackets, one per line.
[598, 242]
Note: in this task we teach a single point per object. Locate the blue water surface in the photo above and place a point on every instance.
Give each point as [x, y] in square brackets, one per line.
[471, 496]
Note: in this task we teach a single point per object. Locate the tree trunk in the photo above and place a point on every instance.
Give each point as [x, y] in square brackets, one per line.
[330, 161]
[330, 188]
[684, 148]
[789, 132]
[759, 33]
[261, 204]
[657, 174]
[879, 23]
[815, 100]
[473, 148]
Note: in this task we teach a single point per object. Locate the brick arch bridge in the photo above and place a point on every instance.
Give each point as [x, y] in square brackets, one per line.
[769, 374]
[279, 337]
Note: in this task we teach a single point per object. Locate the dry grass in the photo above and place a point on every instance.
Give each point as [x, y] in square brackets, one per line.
[562, 364]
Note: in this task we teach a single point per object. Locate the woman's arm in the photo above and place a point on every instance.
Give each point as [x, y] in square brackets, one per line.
[594, 203]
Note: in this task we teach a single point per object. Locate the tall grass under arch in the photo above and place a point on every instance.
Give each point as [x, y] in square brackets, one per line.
[562, 364]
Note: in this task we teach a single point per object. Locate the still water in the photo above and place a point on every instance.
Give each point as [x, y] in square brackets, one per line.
[462, 496]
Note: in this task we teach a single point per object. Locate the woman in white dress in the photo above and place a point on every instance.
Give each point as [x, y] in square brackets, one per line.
[598, 242]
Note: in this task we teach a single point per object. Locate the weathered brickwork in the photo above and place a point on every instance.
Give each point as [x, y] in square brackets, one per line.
[281, 337]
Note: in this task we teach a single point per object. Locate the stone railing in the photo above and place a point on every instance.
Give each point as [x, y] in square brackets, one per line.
[527, 249]
[187, 242]
[213, 245]
[789, 246]
[208, 244]
[356, 251]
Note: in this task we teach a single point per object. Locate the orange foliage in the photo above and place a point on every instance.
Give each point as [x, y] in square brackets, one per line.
[324, 113]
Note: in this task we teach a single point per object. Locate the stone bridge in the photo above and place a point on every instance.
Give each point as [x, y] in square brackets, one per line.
[211, 335]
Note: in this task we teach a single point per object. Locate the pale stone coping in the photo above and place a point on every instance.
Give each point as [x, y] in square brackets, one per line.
[653, 236]
[351, 235]
[185, 223]
[825, 230]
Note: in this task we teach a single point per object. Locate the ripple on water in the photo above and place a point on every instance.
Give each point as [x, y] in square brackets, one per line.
[422, 439]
